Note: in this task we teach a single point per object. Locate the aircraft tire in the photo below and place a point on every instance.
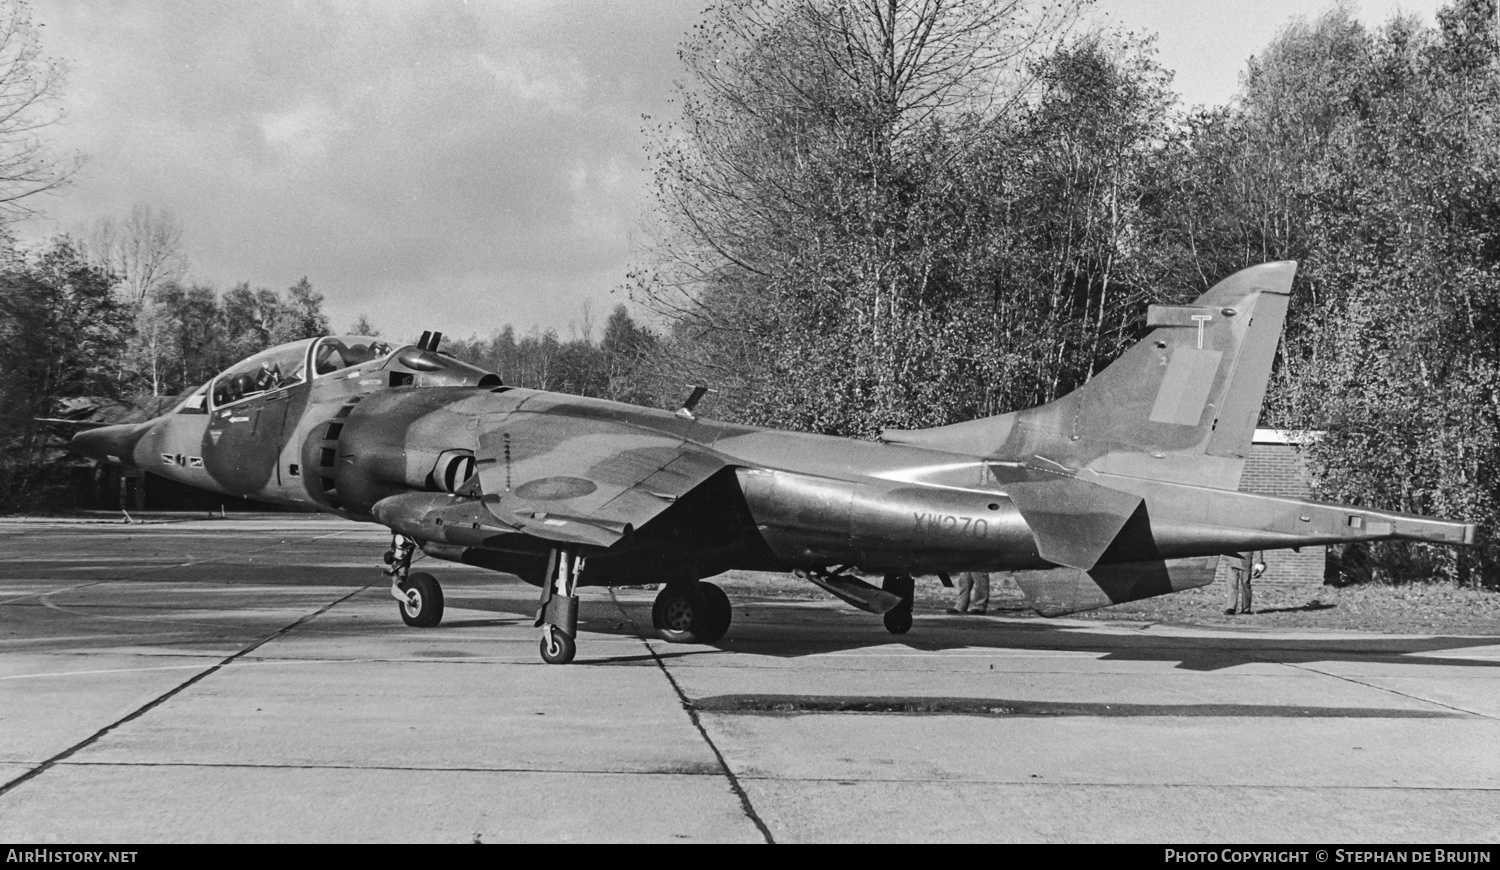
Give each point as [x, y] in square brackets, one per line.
[718, 613]
[678, 614]
[557, 647]
[427, 610]
[898, 621]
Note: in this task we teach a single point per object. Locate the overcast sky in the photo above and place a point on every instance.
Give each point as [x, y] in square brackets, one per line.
[435, 165]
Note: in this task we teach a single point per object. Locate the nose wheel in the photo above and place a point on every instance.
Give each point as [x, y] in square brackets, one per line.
[419, 596]
[557, 647]
[421, 600]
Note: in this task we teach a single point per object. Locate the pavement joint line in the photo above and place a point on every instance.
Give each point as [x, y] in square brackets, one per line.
[1073, 783]
[543, 771]
[164, 697]
[1306, 668]
[687, 706]
[1392, 691]
[253, 662]
[185, 667]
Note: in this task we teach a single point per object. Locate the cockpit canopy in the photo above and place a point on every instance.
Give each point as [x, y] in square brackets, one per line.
[337, 352]
[289, 364]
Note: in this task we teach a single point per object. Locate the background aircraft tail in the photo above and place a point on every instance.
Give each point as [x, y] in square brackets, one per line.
[1181, 405]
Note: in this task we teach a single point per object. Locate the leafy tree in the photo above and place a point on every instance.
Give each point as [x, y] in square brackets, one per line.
[299, 315]
[363, 326]
[185, 334]
[62, 333]
[628, 350]
[619, 367]
[1371, 157]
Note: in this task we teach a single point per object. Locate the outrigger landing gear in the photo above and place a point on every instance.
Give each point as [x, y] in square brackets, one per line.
[557, 616]
[420, 595]
[691, 612]
[898, 618]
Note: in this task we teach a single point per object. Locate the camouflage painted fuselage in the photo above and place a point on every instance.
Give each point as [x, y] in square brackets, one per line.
[1126, 486]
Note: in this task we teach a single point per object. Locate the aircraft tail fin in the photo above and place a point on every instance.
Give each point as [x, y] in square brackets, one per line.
[1180, 405]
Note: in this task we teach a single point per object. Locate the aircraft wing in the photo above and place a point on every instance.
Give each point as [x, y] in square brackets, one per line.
[585, 480]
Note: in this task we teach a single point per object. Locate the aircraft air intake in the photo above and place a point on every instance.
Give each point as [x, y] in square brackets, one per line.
[452, 468]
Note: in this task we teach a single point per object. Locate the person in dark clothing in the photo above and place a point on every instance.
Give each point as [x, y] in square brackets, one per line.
[973, 593]
[1250, 566]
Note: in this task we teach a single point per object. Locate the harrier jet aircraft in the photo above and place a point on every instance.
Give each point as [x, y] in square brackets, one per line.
[1125, 488]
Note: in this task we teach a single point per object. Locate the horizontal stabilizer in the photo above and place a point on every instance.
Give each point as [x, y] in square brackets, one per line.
[858, 593]
[1069, 590]
[1073, 521]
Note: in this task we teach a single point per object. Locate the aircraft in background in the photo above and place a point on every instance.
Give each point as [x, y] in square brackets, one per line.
[1125, 487]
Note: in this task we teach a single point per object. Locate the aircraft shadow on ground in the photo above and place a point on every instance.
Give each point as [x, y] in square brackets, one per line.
[793, 629]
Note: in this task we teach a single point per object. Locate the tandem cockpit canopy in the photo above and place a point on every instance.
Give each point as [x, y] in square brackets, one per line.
[289, 364]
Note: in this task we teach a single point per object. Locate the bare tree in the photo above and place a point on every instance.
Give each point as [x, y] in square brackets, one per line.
[144, 251]
[807, 197]
[30, 84]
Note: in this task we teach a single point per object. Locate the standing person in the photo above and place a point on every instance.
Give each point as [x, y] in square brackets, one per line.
[973, 593]
[1251, 565]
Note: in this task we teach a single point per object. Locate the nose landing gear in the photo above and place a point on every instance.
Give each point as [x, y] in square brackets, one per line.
[557, 616]
[420, 595]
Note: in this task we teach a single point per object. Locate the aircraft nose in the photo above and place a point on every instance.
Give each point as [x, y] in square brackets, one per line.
[114, 444]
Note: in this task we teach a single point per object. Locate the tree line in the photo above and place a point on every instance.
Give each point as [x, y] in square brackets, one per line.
[79, 336]
[908, 213]
[912, 213]
[75, 339]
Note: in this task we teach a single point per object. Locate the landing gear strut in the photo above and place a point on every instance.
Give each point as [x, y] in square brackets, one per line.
[557, 616]
[691, 612]
[898, 618]
[419, 594]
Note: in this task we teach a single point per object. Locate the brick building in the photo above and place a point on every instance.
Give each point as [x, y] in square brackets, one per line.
[1276, 466]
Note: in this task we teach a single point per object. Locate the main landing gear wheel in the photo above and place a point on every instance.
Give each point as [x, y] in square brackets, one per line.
[691, 614]
[717, 612]
[557, 647]
[898, 621]
[423, 607]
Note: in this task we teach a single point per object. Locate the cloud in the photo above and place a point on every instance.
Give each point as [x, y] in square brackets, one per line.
[440, 150]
